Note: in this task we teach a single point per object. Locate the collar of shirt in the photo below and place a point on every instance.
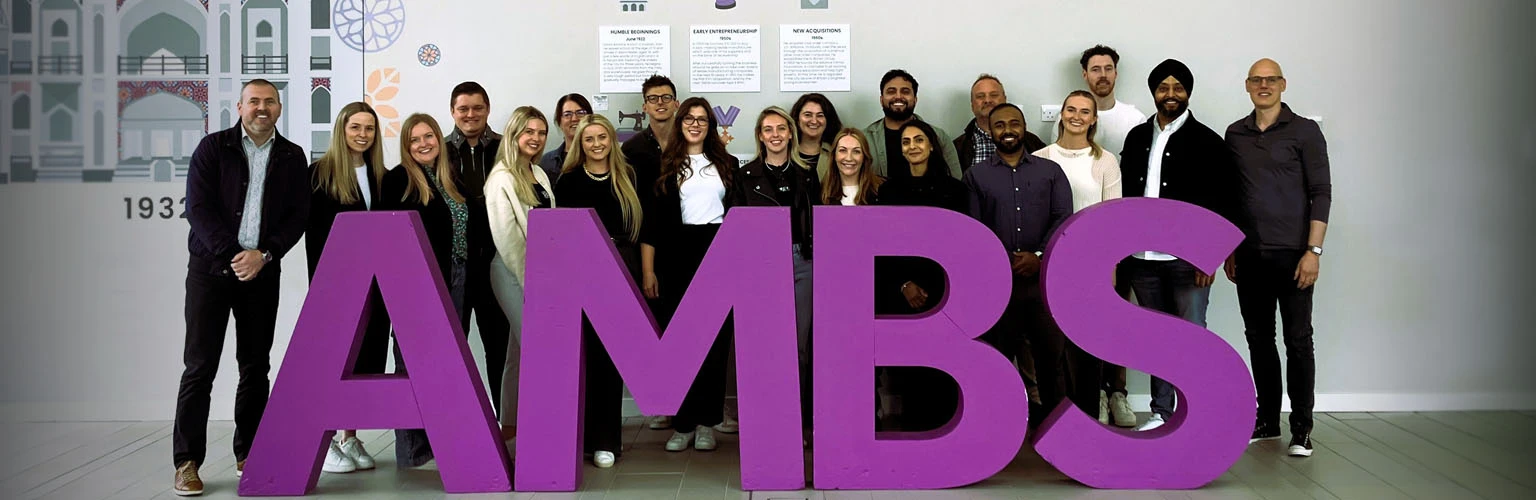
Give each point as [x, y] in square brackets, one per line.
[245, 137]
[457, 138]
[1252, 121]
[997, 161]
[1173, 126]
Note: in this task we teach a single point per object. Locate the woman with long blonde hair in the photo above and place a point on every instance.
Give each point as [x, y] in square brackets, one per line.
[426, 182]
[515, 185]
[347, 179]
[595, 175]
[851, 180]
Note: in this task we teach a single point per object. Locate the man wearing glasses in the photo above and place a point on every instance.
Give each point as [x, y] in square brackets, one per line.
[570, 109]
[643, 151]
[1285, 194]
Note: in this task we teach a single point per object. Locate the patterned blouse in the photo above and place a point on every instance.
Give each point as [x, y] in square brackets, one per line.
[460, 213]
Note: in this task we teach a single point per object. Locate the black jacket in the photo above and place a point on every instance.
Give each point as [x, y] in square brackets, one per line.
[322, 215]
[753, 178]
[436, 220]
[474, 164]
[965, 145]
[1197, 167]
[216, 185]
[932, 190]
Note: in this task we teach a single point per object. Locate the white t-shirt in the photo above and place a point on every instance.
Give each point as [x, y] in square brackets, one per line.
[1114, 125]
[362, 184]
[849, 194]
[703, 193]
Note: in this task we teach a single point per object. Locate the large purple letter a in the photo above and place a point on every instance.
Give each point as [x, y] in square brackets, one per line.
[442, 395]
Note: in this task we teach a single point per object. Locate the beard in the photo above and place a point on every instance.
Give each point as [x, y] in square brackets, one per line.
[1162, 108]
[1003, 147]
[899, 116]
[1103, 88]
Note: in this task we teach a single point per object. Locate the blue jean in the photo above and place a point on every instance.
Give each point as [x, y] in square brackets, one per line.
[1168, 286]
[411, 446]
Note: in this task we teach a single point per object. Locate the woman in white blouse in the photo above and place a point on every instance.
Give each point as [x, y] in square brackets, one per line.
[1095, 176]
[515, 185]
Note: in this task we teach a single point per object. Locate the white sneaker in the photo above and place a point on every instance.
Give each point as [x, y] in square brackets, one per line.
[603, 459]
[353, 447]
[1103, 408]
[661, 422]
[704, 439]
[1120, 411]
[1152, 423]
[337, 462]
[728, 426]
[679, 441]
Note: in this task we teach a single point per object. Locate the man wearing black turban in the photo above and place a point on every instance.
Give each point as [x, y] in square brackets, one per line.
[1173, 156]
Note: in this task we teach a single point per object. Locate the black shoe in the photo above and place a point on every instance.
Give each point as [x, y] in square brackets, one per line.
[1263, 431]
[1301, 444]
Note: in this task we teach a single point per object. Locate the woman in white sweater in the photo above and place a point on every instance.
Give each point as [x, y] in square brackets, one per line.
[1095, 176]
[515, 185]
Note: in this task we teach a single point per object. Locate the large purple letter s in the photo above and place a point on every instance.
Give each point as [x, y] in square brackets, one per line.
[1210, 428]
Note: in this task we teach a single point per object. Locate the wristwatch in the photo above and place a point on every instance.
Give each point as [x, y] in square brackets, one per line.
[1316, 250]
[266, 256]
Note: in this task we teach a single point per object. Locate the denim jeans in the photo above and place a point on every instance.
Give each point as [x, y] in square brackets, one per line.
[1167, 286]
[411, 446]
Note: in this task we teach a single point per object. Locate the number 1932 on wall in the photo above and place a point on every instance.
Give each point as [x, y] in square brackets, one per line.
[146, 207]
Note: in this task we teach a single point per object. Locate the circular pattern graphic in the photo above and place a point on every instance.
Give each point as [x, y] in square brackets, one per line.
[369, 25]
[429, 55]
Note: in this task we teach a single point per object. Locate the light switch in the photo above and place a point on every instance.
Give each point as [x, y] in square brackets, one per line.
[1050, 112]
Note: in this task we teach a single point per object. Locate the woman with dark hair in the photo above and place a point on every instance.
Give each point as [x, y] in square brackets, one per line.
[853, 181]
[691, 195]
[910, 285]
[814, 119]
[347, 179]
[569, 111]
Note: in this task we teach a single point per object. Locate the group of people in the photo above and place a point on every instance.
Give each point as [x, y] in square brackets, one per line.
[663, 194]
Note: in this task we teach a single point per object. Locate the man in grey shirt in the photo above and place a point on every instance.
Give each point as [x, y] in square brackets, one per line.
[1285, 195]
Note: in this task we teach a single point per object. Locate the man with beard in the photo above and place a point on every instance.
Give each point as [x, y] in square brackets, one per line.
[1174, 156]
[1116, 118]
[1286, 192]
[898, 100]
[1022, 198]
[975, 144]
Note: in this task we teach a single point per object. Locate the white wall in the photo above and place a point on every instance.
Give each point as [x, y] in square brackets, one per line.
[1423, 105]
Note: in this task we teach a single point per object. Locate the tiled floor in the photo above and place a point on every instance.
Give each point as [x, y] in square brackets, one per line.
[1359, 455]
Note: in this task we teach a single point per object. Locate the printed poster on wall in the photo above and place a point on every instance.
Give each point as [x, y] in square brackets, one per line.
[725, 58]
[627, 55]
[815, 58]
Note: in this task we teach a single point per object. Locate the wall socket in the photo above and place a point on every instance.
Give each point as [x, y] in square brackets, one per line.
[1050, 112]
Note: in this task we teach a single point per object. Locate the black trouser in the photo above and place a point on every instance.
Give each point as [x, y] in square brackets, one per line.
[374, 353]
[929, 397]
[603, 417]
[1265, 278]
[1113, 376]
[1062, 369]
[210, 301]
[495, 330]
[705, 402]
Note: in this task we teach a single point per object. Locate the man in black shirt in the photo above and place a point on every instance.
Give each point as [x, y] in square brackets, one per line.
[1285, 194]
[643, 151]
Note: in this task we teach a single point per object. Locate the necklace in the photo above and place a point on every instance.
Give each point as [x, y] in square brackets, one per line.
[596, 177]
[1072, 153]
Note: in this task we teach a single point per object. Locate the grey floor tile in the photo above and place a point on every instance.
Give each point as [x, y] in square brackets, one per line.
[1353, 416]
[1513, 465]
[1466, 473]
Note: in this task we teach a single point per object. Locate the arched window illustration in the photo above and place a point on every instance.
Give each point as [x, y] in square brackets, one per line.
[61, 126]
[98, 28]
[98, 140]
[320, 105]
[21, 113]
[59, 29]
[264, 30]
[21, 15]
[224, 42]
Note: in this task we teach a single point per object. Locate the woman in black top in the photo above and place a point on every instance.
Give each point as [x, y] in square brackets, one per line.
[596, 176]
[425, 181]
[911, 285]
[690, 199]
[347, 179]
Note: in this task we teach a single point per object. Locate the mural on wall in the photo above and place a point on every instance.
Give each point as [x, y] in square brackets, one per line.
[123, 90]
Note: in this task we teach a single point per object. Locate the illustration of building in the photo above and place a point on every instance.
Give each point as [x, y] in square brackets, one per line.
[124, 90]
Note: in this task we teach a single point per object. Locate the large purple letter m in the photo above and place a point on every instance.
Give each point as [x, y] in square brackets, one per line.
[574, 271]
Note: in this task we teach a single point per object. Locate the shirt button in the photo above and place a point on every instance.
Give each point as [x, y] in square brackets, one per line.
[1167, 154]
[1018, 229]
[1015, 189]
[1165, 184]
[1017, 209]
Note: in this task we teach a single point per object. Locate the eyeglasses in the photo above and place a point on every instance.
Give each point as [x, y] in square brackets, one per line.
[1253, 81]
[695, 120]
[660, 99]
[574, 114]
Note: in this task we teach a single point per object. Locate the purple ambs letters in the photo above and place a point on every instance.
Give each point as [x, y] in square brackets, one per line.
[1210, 427]
[316, 393]
[574, 270]
[850, 342]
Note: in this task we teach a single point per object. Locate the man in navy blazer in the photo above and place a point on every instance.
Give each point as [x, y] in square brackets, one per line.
[247, 201]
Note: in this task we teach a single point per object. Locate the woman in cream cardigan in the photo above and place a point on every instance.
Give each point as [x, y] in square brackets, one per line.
[515, 185]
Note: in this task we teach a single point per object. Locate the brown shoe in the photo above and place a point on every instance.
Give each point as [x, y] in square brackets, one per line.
[187, 482]
[240, 468]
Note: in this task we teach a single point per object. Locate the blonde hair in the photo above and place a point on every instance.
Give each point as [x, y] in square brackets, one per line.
[511, 158]
[794, 135]
[419, 185]
[622, 174]
[1061, 125]
[333, 173]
